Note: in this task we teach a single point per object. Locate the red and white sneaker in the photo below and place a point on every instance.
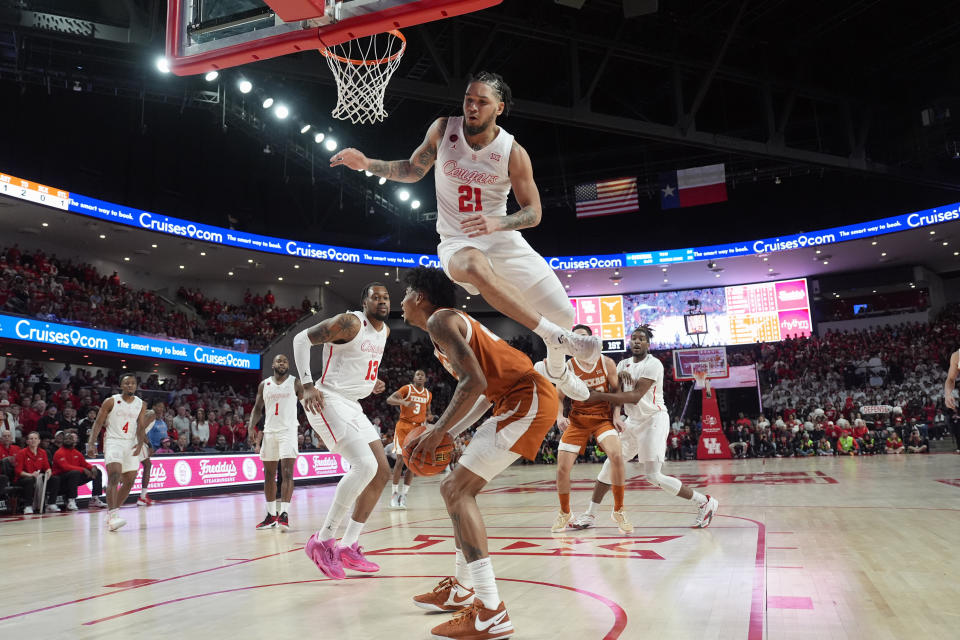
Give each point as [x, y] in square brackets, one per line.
[449, 595]
[326, 555]
[144, 500]
[352, 558]
[284, 521]
[269, 522]
[706, 513]
[476, 623]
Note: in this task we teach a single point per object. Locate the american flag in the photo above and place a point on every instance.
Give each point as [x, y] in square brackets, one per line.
[607, 197]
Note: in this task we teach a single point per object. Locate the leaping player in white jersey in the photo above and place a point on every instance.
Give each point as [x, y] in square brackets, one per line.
[126, 436]
[277, 444]
[645, 429]
[354, 344]
[481, 247]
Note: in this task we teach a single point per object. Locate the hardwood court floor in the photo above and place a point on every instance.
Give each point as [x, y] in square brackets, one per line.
[814, 548]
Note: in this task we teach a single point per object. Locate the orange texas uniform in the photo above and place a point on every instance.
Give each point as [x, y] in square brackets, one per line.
[588, 418]
[413, 416]
[524, 402]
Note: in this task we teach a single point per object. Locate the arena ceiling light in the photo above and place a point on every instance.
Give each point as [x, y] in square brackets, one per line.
[368, 174]
[245, 86]
[415, 204]
[330, 144]
[281, 111]
[318, 138]
[382, 181]
[162, 64]
[268, 103]
[305, 128]
[404, 195]
[211, 76]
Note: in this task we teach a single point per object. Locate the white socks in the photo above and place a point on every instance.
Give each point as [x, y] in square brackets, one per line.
[593, 508]
[484, 582]
[352, 534]
[284, 507]
[463, 575]
[271, 508]
[396, 489]
[699, 498]
[404, 488]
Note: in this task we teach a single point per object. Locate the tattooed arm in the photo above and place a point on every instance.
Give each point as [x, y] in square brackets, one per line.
[339, 329]
[524, 190]
[448, 330]
[410, 170]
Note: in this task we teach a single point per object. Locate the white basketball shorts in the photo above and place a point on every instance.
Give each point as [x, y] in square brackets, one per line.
[279, 445]
[121, 451]
[646, 437]
[341, 420]
[511, 257]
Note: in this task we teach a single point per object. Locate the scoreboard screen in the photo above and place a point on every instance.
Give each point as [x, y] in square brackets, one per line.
[740, 314]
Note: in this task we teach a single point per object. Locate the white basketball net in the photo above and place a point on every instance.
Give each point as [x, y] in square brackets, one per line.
[362, 69]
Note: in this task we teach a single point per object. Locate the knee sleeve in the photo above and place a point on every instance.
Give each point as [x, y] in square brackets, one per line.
[550, 300]
[651, 471]
[604, 475]
[363, 468]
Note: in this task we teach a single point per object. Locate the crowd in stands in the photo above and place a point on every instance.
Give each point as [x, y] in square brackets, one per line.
[883, 304]
[43, 286]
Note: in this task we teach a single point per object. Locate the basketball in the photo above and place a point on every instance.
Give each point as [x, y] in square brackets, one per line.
[430, 466]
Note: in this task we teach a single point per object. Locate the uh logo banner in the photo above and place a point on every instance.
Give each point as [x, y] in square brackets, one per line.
[713, 443]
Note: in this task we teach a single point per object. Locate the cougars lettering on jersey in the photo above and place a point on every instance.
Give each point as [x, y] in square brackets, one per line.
[279, 405]
[351, 368]
[595, 378]
[122, 419]
[417, 413]
[652, 401]
[469, 181]
[502, 365]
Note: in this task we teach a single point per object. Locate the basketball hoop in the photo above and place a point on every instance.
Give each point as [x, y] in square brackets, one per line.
[362, 69]
[700, 372]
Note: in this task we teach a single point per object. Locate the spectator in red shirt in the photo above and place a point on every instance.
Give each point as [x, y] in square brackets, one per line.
[894, 443]
[73, 470]
[224, 430]
[30, 467]
[7, 448]
[30, 414]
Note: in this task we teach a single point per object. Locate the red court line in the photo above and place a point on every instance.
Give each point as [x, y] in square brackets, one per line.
[619, 615]
[789, 602]
[757, 609]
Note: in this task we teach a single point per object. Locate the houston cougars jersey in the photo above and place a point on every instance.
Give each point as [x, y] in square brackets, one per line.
[652, 401]
[502, 365]
[351, 368]
[417, 414]
[279, 405]
[595, 378]
[122, 419]
[470, 181]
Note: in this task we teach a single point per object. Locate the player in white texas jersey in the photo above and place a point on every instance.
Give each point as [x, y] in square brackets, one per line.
[126, 434]
[645, 430]
[353, 346]
[277, 400]
[481, 248]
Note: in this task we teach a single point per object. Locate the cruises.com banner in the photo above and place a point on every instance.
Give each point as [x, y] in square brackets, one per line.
[130, 216]
[62, 335]
[174, 473]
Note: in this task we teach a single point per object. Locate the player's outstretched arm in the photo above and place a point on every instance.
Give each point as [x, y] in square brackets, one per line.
[623, 397]
[951, 382]
[410, 170]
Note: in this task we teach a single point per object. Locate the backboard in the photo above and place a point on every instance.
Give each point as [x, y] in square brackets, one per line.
[209, 35]
[714, 359]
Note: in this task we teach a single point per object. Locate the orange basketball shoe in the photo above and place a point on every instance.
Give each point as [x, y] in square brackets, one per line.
[476, 623]
[449, 595]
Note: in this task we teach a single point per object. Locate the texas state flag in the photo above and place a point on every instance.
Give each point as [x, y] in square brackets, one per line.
[690, 187]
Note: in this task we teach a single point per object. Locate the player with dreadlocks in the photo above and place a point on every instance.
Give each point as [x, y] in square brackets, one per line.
[478, 164]
[645, 430]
